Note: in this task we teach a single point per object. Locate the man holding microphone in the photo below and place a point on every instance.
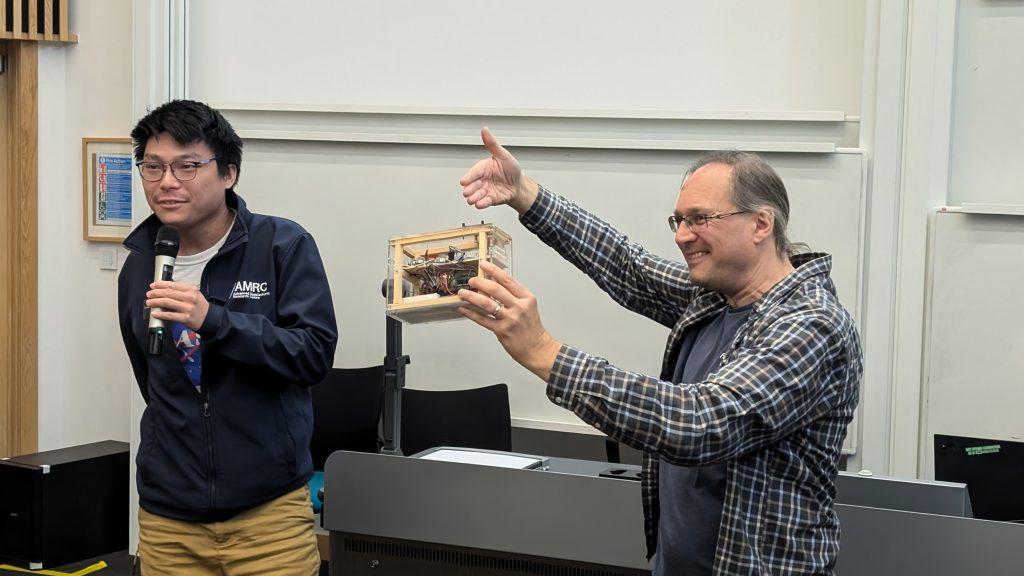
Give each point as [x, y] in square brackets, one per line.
[248, 327]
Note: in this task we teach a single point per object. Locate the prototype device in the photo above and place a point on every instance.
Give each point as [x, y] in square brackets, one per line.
[426, 271]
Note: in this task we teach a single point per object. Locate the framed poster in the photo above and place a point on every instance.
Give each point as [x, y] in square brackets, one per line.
[107, 166]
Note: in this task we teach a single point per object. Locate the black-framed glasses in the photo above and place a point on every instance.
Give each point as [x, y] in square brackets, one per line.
[698, 222]
[183, 170]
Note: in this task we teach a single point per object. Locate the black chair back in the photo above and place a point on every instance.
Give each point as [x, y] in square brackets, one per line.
[346, 412]
[474, 418]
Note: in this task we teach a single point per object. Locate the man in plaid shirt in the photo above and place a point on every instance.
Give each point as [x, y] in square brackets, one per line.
[743, 428]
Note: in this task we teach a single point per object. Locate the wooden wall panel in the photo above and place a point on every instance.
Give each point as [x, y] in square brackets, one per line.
[7, 428]
[19, 361]
[46, 20]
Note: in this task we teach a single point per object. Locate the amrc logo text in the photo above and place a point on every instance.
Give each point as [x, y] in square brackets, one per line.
[250, 290]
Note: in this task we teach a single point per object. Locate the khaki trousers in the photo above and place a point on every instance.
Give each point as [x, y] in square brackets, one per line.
[273, 538]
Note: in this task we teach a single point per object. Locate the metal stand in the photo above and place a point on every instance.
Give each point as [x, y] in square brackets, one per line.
[394, 381]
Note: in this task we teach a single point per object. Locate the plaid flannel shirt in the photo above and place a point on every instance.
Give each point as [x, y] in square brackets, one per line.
[776, 410]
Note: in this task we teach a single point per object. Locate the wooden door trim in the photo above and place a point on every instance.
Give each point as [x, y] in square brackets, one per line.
[19, 159]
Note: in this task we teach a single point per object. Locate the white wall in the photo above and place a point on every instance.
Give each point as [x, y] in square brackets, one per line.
[99, 86]
[972, 353]
[85, 89]
[352, 195]
[690, 65]
[782, 55]
[939, 128]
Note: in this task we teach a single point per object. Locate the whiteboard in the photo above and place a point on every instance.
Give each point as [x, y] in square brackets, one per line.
[975, 342]
[988, 119]
[353, 197]
[779, 55]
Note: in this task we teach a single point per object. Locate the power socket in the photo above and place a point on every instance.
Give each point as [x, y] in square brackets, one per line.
[108, 259]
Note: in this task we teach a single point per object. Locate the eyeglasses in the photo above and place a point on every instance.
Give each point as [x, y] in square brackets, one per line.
[183, 170]
[698, 222]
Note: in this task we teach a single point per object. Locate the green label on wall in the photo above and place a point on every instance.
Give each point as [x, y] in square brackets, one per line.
[979, 450]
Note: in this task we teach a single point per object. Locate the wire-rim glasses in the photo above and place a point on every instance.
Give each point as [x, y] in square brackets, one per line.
[183, 170]
[698, 222]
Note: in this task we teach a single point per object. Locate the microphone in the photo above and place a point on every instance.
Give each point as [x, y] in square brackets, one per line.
[167, 240]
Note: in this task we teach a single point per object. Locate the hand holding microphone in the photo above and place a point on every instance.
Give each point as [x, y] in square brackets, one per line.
[177, 302]
[170, 301]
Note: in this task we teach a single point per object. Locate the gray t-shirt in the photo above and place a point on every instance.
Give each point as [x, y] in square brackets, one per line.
[691, 496]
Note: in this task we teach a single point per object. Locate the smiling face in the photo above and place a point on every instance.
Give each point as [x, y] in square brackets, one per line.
[193, 204]
[724, 255]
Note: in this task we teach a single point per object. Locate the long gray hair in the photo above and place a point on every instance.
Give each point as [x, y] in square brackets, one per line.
[755, 185]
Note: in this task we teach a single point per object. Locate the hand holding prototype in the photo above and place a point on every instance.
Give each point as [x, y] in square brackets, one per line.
[509, 310]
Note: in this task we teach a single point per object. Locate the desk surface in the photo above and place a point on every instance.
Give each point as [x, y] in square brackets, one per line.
[508, 511]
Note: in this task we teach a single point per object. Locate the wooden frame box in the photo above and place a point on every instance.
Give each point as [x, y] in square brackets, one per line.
[430, 269]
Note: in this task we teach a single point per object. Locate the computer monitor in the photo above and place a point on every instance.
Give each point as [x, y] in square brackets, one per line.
[992, 469]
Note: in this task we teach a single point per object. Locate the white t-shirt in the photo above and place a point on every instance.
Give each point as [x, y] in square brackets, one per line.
[189, 270]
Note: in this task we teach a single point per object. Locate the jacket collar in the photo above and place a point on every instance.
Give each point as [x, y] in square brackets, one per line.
[143, 237]
[706, 302]
[806, 266]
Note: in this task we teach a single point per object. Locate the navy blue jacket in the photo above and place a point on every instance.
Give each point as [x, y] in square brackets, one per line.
[270, 333]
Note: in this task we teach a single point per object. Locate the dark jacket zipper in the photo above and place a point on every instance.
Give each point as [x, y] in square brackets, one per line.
[208, 427]
[207, 422]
